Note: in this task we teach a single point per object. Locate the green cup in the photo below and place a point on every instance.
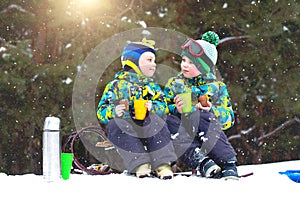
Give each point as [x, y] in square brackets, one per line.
[66, 165]
[187, 98]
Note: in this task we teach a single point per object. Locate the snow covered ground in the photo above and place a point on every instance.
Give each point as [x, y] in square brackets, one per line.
[266, 183]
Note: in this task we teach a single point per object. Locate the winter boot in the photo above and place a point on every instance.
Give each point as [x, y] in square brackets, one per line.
[164, 171]
[229, 170]
[209, 169]
[143, 170]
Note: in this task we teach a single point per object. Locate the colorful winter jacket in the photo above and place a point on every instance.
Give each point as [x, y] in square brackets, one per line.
[130, 85]
[216, 92]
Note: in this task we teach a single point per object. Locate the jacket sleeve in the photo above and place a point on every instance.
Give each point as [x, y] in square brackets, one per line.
[221, 104]
[170, 95]
[154, 93]
[106, 106]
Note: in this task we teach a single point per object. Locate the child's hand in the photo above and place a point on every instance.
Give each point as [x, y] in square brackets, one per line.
[120, 110]
[148, 105]
[207, 108]
[179, 102]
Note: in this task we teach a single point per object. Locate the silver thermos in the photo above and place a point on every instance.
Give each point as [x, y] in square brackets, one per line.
[51, 149]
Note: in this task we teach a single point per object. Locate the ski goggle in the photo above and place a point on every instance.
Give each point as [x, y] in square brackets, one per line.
[194, 47]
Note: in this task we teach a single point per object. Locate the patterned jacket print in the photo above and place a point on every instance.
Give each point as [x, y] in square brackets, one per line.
[130, 85]
[215, 91]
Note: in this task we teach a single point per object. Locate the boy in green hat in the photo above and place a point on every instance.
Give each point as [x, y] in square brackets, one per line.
[206, 148]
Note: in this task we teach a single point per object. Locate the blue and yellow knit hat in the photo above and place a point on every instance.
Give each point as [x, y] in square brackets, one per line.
[133, 51]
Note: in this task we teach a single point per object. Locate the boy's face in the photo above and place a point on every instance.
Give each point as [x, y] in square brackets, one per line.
[147, 63]
[188, 68]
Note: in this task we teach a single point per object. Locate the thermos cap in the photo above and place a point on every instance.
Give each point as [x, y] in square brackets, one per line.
[52, 124]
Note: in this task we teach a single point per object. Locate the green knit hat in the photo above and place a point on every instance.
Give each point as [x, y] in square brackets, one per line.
[208, 58]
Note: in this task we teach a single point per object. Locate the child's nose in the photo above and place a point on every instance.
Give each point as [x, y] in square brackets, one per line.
[184, 65]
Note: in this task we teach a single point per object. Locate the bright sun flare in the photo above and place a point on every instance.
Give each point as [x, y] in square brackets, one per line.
[87, 3]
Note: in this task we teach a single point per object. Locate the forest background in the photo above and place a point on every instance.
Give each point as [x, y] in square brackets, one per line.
[43, 44]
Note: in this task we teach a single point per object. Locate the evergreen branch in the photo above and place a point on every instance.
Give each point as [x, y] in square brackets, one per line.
[243, 132]
[278, 130]
[13, 7]
[129, 8]
[232, 39]
[268, 135]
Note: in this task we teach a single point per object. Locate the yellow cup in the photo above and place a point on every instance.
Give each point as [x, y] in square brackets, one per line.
[187, 98]
[140, 109]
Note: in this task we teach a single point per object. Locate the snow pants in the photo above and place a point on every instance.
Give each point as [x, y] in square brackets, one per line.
[199, 135]
[139, 142]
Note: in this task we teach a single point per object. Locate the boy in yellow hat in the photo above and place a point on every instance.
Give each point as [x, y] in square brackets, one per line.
[144, 144]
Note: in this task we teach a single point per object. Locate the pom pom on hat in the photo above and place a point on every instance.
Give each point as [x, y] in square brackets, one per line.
[211, 37]
[209, 41]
